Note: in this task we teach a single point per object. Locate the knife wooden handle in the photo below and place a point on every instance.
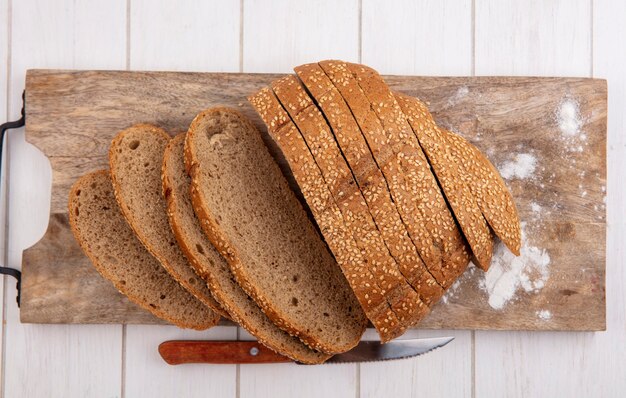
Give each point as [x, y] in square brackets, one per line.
[176, 352]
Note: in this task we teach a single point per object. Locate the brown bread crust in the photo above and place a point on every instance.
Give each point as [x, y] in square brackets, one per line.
[404, 170]
[370, 181]
[492, 195]
[447, 168]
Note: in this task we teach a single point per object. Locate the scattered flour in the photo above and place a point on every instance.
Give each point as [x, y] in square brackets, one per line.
[544, 315]
[522, 167]
[508, 273]
[568, 117]
[458, 96]
[453, 291]
[535, 207]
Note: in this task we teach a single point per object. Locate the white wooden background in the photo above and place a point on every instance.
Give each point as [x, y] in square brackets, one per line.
[460, 37]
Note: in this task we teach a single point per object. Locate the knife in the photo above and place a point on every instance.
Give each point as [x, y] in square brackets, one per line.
[176, 352]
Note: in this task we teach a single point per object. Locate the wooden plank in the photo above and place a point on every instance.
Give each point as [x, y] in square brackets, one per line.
[147, 375]
[445, 372]
[55, 360]
[426, 38]
[542, 38]
[279, 35]
[605, 352]
[571, 231]
[337, 380]
[161, 32]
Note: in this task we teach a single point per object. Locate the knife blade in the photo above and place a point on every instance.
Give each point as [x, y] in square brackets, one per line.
[176, 352]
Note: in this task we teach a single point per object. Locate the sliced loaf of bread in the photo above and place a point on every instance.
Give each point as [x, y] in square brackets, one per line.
[339, 180]
[412, 200]
[370, 181]
[114, 250]
[212, 267]
[135, 157]
[327, 214]
[448, 169]
[252, 217]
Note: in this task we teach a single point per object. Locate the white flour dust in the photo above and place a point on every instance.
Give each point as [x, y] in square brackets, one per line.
[454, 290]
[568, 117]
[509, 273]
[544, 315]
[570, 122]
[521, 167]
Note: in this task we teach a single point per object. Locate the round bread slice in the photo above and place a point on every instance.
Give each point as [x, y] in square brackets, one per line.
[135, 156]
[252, 217]
[113, 248]
[212, 267]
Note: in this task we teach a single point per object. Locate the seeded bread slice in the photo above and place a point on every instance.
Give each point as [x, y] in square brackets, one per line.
[112, 247]
[491, 193]
[447, 168]
[327, 214]
[390, 160]
[336, 174]
[419, 177]
[135, 157]
[370, 181]
[252, 217]
[212, 267]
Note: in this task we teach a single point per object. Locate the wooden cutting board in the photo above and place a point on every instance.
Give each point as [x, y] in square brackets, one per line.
[547, 136]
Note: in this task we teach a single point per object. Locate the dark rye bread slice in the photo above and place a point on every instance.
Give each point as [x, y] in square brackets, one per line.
[492, 195]
[252, 217]
[113, 248]
[212, 267]
[412, 201]
[135, 157]
[326, 213]
[370, 181]
[338, 177]
[448, 169]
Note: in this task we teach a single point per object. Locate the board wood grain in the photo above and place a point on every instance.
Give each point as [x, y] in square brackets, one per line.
[72, 116]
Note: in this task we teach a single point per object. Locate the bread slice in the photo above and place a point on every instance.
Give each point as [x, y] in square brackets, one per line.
[370, 181]
[338, 177]
[491, 193]
[111, 245]
[326, 213]
[256, 222]
[135, 157]
[212, 267]
[419, 177]
[411, 184]
[447, 168]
